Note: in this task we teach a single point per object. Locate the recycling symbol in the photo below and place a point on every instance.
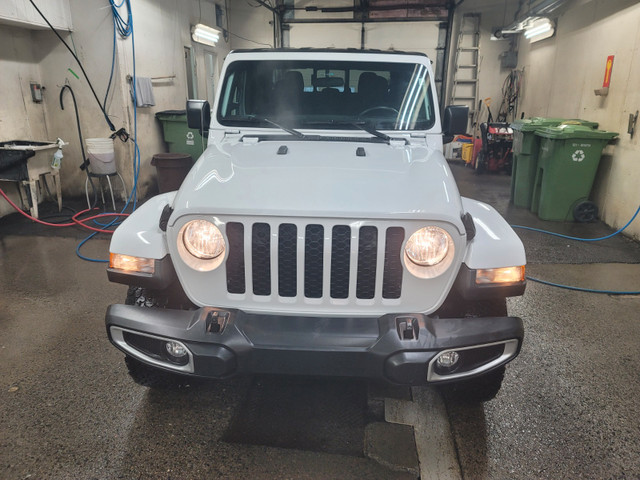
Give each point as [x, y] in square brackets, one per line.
[578, 156]
[189, 135]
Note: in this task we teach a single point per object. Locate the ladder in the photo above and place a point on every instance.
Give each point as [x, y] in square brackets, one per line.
[467, 64]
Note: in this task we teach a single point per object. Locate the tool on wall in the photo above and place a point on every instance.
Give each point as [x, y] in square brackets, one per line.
[633, 119]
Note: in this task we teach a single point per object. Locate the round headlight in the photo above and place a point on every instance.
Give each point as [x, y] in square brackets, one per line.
[203, 239]
[428, 246]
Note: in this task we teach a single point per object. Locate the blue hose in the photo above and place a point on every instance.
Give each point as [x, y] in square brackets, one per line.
[578, 238]
[580, 289]
[125, 29]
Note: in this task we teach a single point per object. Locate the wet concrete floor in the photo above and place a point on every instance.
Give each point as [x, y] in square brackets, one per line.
[68, 409]
[568, 407]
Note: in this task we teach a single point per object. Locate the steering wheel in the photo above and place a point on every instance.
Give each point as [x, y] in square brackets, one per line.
[388, 110]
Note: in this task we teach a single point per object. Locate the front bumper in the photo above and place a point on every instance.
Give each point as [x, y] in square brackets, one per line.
[396, 348]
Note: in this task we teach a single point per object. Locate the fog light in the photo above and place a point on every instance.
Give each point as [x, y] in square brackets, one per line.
[175, 349]
[448, 359]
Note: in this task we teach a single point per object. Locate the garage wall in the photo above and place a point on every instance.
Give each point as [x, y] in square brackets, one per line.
[162, 30]
[403, 36]
[249, 25]
[561, 75]
[20, 118]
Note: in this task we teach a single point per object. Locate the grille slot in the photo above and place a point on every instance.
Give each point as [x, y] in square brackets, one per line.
[351, 269]
[261, 259]
[235, 260]
[313, 260]
[392, 283]
[367, 261]
[287, 260]
[340, 255]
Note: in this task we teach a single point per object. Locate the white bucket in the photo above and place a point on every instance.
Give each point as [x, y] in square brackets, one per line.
[102, 159]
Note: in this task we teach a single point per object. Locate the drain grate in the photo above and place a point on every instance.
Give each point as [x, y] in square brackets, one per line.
[315, 414]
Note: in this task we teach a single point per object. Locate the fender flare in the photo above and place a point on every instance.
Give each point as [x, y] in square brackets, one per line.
[140, 235]
[495, 244]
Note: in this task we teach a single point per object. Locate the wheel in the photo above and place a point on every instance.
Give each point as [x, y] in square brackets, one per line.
[140, 372]
[382, 108]
[486, 387]
[480, 165]
[476, 390]
[585, 212]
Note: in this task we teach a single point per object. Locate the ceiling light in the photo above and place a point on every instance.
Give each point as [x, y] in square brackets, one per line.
[202, 34]
[539, 30]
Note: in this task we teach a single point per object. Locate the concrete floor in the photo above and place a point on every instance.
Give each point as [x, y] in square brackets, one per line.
[568, 407]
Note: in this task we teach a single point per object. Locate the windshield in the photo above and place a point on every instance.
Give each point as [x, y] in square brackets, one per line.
[327, 94]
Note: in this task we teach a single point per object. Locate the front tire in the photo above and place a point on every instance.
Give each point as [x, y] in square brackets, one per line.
[485, 387]
[475, 390]
[154, 378]
[147, 375]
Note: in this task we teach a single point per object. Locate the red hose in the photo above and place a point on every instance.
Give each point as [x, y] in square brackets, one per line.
[75, 220]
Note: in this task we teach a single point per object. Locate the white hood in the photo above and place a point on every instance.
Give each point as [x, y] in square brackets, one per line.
[321, 179]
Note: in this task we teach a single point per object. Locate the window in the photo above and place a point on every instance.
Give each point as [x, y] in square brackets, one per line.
[327, 94]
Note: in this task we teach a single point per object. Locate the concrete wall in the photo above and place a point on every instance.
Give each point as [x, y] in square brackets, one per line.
[403, 36]
[561, 74]
[162, 30]
[20, 118]
[249, 25]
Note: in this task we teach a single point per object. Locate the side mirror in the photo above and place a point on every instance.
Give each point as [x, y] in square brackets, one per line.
[199, 115]
[454, 121]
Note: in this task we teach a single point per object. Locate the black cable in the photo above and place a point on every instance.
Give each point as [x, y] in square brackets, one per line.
[106, 117]
[85, 162]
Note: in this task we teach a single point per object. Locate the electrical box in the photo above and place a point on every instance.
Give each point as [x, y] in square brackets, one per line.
[36, 92]
[509, 59]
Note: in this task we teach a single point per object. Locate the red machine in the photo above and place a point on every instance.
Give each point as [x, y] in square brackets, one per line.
[496, 152]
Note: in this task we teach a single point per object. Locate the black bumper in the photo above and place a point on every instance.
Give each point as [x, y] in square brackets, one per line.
[397, 348]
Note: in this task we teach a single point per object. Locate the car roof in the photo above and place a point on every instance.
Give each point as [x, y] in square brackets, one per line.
[328, 50]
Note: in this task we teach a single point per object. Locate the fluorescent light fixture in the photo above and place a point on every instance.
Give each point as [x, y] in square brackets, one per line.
[202, 34]
[539, 30]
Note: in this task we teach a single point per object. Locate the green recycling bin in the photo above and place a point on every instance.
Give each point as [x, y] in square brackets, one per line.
[525, 154]
[178, 136]
[567, 164]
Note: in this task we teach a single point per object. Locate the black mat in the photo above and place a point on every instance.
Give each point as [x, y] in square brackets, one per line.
[315, 414]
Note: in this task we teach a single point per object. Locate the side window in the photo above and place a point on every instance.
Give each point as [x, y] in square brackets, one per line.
[233, 103]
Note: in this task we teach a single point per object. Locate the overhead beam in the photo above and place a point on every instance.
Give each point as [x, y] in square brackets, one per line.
[369, 20]
[365, 7]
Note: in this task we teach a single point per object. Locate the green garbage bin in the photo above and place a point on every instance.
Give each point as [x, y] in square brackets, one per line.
[567, 164]
[525, 154]
[178, 136]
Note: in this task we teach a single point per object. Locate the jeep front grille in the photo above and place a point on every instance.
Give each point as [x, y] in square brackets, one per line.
[264, 260]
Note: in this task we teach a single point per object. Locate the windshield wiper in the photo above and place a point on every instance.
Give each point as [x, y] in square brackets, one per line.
[364, 126]
[281, 127]
[369, 129]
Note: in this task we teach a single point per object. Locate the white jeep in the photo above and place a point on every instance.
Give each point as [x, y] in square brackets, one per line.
[320, 233]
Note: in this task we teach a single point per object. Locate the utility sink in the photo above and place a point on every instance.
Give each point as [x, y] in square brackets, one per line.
[25, 162]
